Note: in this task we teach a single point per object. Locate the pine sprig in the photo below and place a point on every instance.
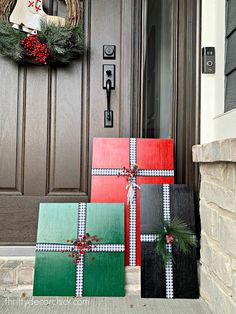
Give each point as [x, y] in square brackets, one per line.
[10, 41]
[64, 42]
[183, 238]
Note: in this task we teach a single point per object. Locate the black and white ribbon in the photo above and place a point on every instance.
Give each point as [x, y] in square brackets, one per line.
[132, 205]
[80, 266]
[148, 237]
[140, 172]
[132, 191]
[169, 264]
[55, 247]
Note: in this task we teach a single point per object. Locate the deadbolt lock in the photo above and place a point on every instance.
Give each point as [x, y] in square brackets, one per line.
[109, 52]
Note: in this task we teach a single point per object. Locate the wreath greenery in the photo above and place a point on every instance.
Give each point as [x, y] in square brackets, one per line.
[176, 233]
[53, 44]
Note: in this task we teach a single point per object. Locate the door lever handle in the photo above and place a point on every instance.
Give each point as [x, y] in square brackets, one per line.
[108, 90]
[108, 85]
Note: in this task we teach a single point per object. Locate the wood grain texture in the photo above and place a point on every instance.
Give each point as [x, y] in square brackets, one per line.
[44, 138]
[115, 153]
[153, 282]
[36, 131]
[105, 22]
[126, 71]
[111, 23]
[11, 126]
[19, 217]
[66, 121]
[105, 275]
[105, 29]
[55, 273]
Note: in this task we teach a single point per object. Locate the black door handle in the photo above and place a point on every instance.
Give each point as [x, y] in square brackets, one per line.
[108, 89]
[108, 85]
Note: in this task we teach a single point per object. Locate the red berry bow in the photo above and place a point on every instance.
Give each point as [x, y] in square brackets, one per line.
[169, 238]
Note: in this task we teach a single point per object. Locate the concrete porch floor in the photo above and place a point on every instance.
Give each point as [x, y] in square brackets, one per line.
[129, 304]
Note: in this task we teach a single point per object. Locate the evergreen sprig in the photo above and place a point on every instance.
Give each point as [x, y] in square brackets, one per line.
[65, 43]
[183, 238]
[10, 42]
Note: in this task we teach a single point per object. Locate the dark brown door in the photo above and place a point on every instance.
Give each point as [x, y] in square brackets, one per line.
[49, 116]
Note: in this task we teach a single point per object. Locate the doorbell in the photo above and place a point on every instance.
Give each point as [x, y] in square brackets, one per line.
[208, 60]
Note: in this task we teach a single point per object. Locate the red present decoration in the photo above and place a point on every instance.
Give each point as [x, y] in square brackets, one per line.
[113, 178]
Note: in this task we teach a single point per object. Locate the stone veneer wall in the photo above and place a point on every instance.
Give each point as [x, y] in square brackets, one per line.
[16, 277]
[218, 224]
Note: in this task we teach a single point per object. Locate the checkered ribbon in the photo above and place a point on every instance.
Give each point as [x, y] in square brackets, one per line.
[132, 204]
[55, 247]
[148, 237]
[169, 264]
[153, 238]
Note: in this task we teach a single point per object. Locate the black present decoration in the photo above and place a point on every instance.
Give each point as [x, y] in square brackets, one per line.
[176, 278]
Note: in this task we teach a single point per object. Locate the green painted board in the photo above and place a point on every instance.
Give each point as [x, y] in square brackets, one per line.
[110, 284]
[101, 271]
[55, 274]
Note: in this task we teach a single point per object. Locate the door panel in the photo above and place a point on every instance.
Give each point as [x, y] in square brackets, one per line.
[11, 114]
[35, 137]
[65, 130]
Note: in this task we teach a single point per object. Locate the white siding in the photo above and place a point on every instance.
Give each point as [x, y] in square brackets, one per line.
[215, 124]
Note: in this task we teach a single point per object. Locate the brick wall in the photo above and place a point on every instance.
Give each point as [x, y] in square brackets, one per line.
[218, 222]
[16, 277]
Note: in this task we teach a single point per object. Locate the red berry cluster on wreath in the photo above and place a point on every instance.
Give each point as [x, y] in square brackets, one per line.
[82, 245]
[34, 48]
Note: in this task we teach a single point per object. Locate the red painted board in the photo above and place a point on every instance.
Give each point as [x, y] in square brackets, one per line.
[115, 153]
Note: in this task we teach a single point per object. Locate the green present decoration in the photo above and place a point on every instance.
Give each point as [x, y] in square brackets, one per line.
[100, 268]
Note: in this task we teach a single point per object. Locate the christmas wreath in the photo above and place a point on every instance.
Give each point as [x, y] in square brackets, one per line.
[176, 233]
[51, 43]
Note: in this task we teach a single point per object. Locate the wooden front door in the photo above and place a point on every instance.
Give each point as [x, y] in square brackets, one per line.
[49, 116]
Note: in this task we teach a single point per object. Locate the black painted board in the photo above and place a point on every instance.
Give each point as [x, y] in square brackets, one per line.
[153, 280]
[152, 273]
